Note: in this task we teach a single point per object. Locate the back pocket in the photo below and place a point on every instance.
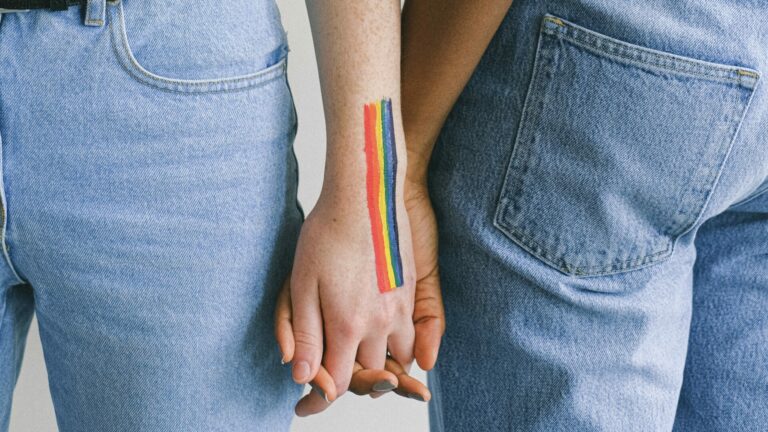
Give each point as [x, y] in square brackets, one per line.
[618, 150]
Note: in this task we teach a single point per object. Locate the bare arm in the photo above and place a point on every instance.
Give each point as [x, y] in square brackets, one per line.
[443, 41]
[358, 54]
[352, 282]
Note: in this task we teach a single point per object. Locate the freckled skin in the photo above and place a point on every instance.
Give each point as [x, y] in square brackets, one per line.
[339, 315]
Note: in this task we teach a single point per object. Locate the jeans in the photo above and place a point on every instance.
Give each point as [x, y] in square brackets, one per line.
[600, 188]
[149, 212]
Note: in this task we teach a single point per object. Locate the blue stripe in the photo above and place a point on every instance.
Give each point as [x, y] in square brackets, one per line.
[390, 152]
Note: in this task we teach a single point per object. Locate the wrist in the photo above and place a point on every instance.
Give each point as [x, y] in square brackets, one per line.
[347, 172]
[420, 141]
[419, 154]
[418, 165]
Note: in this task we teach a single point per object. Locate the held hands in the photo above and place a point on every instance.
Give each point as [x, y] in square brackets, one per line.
[331, 310]
[374, 382]
[353, 287]
[339, 315]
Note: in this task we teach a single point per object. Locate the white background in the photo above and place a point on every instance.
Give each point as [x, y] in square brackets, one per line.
[33, 411]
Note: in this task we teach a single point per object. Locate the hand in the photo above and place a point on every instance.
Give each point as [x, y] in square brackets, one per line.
[339, 314]
[374, 382]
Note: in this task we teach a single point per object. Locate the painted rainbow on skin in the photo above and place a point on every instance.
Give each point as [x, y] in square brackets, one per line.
[381, 177]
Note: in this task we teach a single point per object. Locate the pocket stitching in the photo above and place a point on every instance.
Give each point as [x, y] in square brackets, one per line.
[537, 249]
[675, 228]
[703, 69]
[130, 64]
[530, 109]
[726, 157]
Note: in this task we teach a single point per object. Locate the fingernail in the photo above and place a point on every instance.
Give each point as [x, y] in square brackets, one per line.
[301, 371]
[416, 396]
[320, 392]
[383, 386]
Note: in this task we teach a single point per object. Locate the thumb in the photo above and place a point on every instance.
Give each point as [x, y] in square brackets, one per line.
[283, 324]
[428, 320]
[307, 330]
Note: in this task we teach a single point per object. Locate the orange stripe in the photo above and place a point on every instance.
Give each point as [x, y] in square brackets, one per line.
[372, 186]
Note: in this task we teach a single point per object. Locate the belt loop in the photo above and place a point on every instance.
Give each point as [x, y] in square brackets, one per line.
[95, 12]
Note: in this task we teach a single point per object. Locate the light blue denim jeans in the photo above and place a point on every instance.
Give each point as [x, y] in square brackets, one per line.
[149, 212]
[600, 188]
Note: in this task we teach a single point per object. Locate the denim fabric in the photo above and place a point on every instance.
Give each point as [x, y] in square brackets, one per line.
[600, 193]
[150, 213]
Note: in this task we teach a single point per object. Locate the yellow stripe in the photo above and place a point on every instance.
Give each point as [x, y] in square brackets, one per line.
[382, 195]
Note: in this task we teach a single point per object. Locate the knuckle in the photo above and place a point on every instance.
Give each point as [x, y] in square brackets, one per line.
[394, 313]
[404, 309]
[347, 329]
[380, 319]
[305, 339]
[428, 304]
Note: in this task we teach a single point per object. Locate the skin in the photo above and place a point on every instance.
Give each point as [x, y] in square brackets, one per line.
[339, 317]
[443, 41]
[363, 381]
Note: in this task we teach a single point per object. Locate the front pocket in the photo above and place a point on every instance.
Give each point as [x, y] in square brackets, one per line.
[618, 150]
[255, 74]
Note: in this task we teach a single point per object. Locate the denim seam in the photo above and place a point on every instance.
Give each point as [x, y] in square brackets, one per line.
[727, 155]
[293, 149]
[677, 227]
[3, 228]
[534, 99]
[755, 195]
[651, 66]
[129, 63]
[587, 39]
[529, 100]
[521, 155]
[537, 249]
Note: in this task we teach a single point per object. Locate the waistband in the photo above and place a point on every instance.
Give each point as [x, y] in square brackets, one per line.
[94, 10]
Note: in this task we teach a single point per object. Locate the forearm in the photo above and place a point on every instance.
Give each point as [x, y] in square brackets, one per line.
[443, 41]
[358, 52]
[355, 244]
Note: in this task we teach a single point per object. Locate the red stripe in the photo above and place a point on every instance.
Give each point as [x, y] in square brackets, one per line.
[372, 186]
